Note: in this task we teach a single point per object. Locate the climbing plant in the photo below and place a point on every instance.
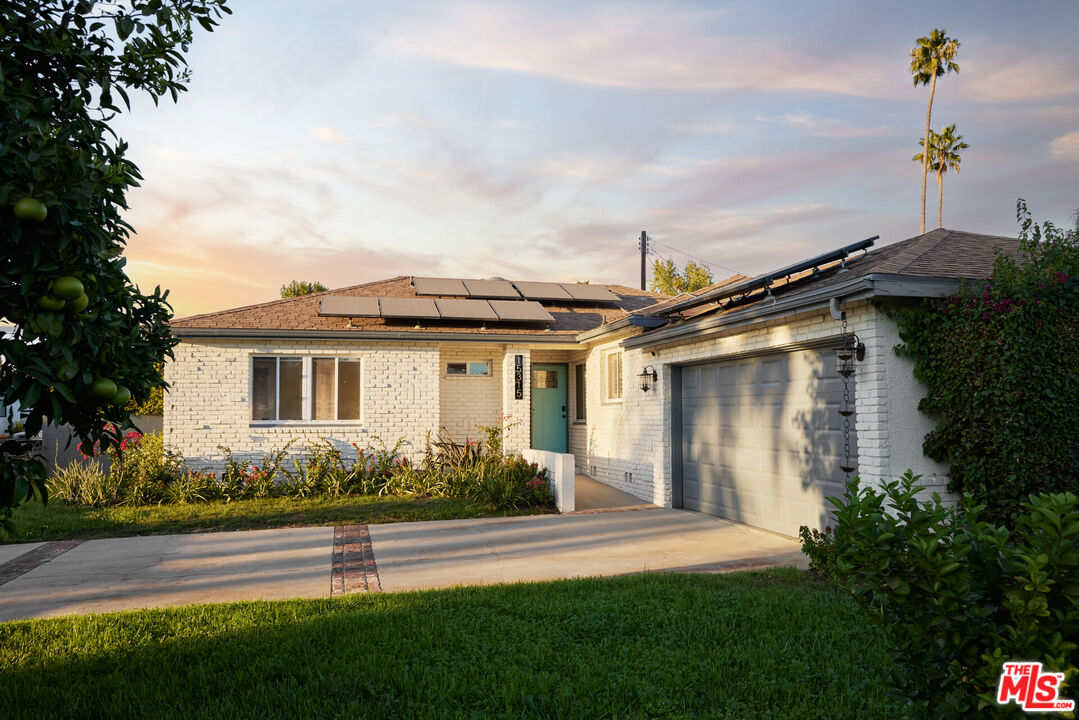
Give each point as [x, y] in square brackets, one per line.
[999, 361]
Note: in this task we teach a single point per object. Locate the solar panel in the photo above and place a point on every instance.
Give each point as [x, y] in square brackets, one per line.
[543, 291]
[418, 308]
[439, 286]
[592, 293]
[490, 289]
[456, 309]
[520, 311]
[342, 306]
[763, 281]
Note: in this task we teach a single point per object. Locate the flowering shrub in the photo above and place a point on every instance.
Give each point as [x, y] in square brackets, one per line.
[998, 361]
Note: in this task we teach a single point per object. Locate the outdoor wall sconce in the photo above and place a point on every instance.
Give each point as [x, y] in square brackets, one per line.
[648, 378]
[849, 351]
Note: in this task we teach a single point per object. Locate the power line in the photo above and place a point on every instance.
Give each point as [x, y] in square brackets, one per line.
[694, 257]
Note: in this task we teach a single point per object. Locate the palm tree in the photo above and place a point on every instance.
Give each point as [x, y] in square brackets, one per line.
[932, 57]
[944, 149]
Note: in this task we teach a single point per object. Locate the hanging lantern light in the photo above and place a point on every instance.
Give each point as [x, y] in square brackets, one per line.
[847, 352]
[648, 377]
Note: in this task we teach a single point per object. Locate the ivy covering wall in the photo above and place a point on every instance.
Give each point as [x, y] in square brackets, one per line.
[1000, 364]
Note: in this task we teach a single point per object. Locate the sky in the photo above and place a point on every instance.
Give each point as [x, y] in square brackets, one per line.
[349, 141]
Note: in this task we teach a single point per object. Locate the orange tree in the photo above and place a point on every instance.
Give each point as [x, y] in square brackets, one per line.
[85, 339]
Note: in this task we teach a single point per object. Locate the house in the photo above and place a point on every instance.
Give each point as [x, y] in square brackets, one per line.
[725, 401]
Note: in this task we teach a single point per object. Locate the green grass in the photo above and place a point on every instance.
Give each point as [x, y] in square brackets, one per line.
[772, 644]
[65, 522]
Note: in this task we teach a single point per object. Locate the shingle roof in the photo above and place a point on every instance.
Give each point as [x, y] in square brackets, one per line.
[301, 313]
[940, 253]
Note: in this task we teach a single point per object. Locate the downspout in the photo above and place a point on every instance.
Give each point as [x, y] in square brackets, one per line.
[834, 309]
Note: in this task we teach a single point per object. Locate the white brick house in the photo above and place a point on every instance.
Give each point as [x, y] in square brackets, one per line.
[741, 420]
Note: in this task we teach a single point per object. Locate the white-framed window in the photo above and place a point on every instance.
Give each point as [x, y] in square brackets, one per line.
[613, 376]
[473, 368]
[293, 388]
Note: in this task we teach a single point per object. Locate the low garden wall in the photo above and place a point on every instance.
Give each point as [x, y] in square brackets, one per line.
[560, 473]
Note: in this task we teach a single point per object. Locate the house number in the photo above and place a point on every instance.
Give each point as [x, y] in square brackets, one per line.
[518, 377]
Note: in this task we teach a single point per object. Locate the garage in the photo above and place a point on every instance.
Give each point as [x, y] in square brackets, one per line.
[758, 439]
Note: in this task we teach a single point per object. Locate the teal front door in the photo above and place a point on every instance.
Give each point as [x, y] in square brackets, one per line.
[549, 407]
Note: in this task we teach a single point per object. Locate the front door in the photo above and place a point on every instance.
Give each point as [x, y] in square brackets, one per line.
[549, 407]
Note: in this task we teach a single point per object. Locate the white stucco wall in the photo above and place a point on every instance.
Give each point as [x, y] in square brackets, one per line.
[209, 403]
[906, 425]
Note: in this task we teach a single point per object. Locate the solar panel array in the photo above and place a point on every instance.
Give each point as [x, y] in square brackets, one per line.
[435, 309]
[487, 300]
[498, 289]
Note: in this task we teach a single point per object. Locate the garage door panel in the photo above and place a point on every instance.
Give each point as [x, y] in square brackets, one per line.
[771, 433]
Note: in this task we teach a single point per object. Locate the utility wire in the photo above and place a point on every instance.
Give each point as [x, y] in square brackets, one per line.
[694, 257]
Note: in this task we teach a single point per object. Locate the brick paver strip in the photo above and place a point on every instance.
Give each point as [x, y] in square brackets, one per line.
[34, 559]
[353, 568]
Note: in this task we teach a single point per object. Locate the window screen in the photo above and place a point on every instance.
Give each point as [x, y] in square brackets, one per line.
[614, 376]
[348, 389]
[264, 389]
[580, 406]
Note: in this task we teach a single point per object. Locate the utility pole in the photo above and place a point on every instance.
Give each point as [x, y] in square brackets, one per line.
[644, 256]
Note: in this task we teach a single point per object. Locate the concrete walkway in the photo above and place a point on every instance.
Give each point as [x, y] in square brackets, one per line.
[58, 578]
[591, 494]
[549, 547]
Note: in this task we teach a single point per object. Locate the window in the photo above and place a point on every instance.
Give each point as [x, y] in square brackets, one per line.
[476, 368]
[614, 375]
[580, 406]
[277, 385]
[299, 388]
[335, 388]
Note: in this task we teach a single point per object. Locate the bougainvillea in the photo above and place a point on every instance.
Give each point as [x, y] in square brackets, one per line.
[1000, 364]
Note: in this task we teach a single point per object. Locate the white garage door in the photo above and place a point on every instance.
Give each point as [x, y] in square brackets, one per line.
[762, 439]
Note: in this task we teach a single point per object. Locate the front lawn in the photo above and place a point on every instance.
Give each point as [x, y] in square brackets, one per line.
[65, 522]
[748, 645]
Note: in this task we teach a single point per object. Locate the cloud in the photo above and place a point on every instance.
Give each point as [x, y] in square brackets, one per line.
[329, 135]
[652, 46]
[1066, 146]
[827, 127]
[1011, 74]
[706, 128]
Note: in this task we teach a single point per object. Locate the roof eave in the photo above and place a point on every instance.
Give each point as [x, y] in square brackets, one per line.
[389, 335]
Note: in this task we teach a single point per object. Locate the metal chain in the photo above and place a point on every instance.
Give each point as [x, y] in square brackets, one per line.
[846, 406]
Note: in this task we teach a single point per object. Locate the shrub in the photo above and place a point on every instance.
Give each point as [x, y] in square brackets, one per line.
[83, 483]
[819, 546]
[510, 483]
[998, 363]
[143, 468]
[959, 596]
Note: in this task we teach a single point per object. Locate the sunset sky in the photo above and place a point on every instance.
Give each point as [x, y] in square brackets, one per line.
[350, 141]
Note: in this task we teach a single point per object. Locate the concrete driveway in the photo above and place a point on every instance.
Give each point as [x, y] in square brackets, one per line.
[47, 579]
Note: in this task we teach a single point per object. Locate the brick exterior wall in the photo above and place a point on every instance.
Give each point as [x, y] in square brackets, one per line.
[468, 401]
[627, 444]
[517, 414]
[209, 403]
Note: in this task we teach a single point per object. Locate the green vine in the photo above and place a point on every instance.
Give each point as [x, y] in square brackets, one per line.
[1000, 364]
